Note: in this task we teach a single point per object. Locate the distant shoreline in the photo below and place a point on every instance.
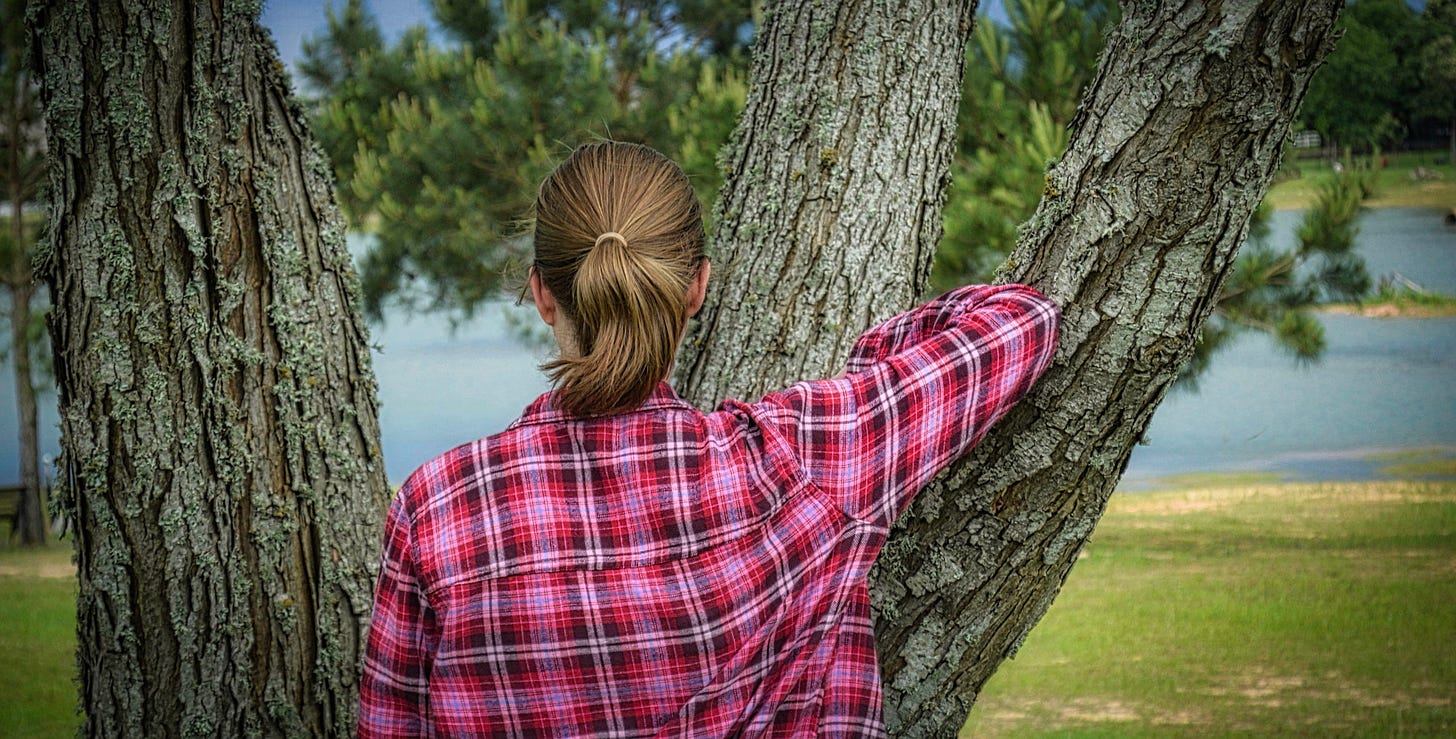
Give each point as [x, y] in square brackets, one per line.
[1415, 463]
[1434, 186]
[1385, 309]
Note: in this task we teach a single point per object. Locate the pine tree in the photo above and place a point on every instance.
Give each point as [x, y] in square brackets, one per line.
[1022, 84]
[437, 148]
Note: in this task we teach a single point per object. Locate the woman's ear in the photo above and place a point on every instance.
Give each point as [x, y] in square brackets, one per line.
[545, 301]
[698, 288]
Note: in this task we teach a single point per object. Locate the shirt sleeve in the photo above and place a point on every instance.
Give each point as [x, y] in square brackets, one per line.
[394, 690]
[919, 391]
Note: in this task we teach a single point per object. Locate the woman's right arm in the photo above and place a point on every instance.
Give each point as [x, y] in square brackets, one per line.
[920, 390]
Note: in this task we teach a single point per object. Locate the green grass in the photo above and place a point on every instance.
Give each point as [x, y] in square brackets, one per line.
[1238, 606]
[1408, 298]
[38, 641]
[1192, 480]
[1304, 609]
[1417, 463]
[1393, 186]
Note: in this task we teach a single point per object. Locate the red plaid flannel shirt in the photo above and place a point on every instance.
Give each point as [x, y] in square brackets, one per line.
[667, 573]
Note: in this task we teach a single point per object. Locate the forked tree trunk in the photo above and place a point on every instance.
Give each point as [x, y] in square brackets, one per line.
[1174, 146]
[221, 449]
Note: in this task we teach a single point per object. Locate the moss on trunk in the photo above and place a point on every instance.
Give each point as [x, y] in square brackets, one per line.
[221, 446]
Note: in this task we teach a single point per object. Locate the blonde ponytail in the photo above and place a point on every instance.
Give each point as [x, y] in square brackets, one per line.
[619, 238]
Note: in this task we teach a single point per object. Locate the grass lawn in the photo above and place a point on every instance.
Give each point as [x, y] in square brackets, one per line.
[1257, 609]
[38, 641]
[1394, 187]
[1224, 606]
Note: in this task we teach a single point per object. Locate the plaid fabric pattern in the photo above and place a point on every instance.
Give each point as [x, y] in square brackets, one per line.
[668, 573]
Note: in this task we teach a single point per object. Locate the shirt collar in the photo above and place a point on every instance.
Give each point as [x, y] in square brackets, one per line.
[543, 410]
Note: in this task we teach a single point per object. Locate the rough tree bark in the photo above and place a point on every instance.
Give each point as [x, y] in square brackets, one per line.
[834, 181]
[221, 449]
[1174, 146]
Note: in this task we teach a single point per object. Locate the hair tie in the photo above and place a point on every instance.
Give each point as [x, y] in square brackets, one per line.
[610, 235]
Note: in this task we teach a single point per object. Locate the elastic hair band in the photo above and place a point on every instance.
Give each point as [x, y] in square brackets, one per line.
[610, 235]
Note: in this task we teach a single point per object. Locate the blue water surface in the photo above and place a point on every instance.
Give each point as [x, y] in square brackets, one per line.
[1382, 385]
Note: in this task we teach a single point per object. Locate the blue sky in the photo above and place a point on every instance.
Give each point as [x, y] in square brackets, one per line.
[291, 21]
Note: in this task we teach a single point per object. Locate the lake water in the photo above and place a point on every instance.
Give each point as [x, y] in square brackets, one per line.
[1383, 385]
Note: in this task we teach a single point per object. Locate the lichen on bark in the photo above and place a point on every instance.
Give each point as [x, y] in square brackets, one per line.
[220, 440]
[833, 183]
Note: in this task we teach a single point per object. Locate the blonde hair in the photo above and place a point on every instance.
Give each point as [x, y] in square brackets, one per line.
[618, 240]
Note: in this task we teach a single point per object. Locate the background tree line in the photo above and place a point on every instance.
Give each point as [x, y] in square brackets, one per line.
[436, 145]
[1393, 77]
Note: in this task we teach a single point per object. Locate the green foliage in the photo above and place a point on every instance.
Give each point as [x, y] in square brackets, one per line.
[1436, 67]
[1329, 226]
[1023, 82]
[1386, 74]
[1326, 237]
[1350, 96]
[1274, 291]
[438, 149]
[470, 22]
[1022, 85]
[1438, 75]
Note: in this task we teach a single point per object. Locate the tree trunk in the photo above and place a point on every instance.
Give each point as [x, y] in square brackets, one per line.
[21, 188]
[1451, 140]
[30, 517]
[830, 211]
[221, 446]
[1173, 147]
[31, 514]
